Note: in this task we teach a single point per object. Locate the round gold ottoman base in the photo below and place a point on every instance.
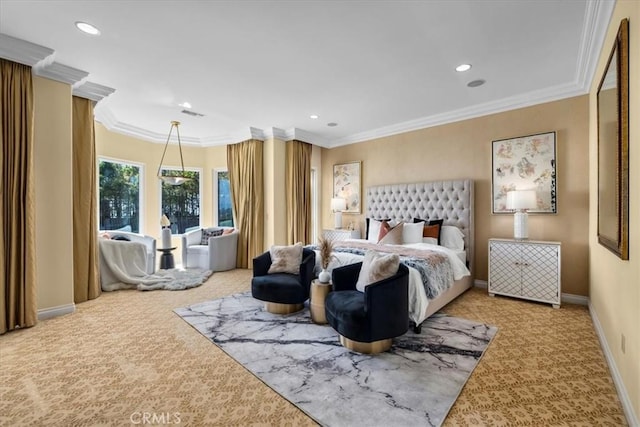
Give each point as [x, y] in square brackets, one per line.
[277, 308]
[366, 347]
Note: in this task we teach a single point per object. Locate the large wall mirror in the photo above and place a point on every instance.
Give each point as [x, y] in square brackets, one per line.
[613, 148]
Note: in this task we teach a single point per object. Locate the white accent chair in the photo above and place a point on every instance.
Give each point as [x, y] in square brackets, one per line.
[218, 255]
[148, 241]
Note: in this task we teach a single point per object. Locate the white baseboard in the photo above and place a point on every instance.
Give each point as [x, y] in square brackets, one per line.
[48, 313]
[632, 419]
[574, 299]
[568, 298]
[480, 284]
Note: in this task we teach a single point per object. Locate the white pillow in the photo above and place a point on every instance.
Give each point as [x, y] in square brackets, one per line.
[452, 237]
[430, 240]
[412, 232]
[374, 230]
[376, 267]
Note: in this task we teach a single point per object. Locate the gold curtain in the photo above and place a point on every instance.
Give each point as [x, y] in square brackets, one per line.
[86, 282]
[244, 162]
[298, 191]
[18, 305]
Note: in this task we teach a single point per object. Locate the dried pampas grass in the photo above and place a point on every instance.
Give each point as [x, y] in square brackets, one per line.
[325, 246]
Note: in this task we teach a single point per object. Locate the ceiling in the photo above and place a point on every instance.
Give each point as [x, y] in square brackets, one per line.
[261, 68]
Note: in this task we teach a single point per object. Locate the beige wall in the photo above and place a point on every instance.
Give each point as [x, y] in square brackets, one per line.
[463, 150]
[115, 146]
[614, 284]
[53, 193]
[275, 211]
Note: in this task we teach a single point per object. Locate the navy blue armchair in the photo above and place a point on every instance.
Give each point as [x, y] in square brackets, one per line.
[368, 321]
[283, 293]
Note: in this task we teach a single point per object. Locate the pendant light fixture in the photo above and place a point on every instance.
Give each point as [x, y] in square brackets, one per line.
[177, 179]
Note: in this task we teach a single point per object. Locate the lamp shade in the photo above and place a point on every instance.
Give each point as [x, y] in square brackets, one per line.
[338, 204]
[521, 199]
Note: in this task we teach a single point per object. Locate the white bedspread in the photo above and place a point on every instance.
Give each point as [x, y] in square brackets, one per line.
[418, 301]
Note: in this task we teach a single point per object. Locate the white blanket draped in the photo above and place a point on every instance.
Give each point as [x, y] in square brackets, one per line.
[123, 266]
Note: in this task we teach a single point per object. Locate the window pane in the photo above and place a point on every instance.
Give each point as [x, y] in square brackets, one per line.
[225, 213]
[119, 196]
[181, 203]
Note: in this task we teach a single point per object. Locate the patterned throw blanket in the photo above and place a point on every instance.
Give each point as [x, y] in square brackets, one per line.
[434, 267]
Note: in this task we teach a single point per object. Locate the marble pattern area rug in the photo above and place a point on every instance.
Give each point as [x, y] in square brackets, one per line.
[415, 383]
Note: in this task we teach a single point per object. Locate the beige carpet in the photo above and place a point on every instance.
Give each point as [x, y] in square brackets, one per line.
[127, 354]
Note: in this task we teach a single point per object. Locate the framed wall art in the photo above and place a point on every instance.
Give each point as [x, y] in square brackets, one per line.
[347, 179]
[524, 163]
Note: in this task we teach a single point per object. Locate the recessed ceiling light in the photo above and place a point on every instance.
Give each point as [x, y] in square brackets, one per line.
[332, 124]
[185, 105]
[313, 116]
[476, 83]
[463, 67]
[87, 28]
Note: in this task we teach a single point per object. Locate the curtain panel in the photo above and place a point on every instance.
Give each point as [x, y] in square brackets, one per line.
[18, 304]
[298, 191]
[86, 281]
[244, 162]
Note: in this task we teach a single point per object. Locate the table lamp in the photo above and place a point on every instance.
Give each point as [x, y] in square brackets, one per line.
[338, 204]
[520, 201]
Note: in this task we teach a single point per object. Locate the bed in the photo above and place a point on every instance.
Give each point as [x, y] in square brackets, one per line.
[452, 202]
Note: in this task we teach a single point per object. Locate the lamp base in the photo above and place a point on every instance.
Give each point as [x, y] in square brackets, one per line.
[338, 220]
[520, 225]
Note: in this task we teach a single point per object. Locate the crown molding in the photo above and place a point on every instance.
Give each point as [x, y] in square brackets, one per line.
[550, 94]
[310, 137]
[60, 72]
[596, 21]
[92, 91]
[103, 115]
[276, 133]
[22, 51]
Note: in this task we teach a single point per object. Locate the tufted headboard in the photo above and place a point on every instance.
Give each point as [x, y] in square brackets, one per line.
[448, 200]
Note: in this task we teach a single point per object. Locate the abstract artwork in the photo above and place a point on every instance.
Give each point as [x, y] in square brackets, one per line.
[525, 163]
[346, 184]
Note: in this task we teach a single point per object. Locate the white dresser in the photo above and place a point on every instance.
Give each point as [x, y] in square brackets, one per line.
[341, 234]
[526, 269]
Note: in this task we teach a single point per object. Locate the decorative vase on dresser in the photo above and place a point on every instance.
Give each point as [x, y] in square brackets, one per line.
[526, 269]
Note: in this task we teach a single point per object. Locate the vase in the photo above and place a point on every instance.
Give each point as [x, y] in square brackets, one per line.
[324, 276]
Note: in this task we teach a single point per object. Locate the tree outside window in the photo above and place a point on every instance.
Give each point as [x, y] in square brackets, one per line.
[225, 211]
[181, 203]
[119, 196]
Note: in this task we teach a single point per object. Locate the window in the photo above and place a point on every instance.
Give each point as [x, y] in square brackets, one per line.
[223, 211]
[181, 203]
[119, 195]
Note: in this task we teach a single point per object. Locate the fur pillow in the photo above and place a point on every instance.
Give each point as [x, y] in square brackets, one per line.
[376, 267]
[286, 259]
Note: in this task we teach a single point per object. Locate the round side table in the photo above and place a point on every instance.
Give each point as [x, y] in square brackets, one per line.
[166, 259]
[319, 292]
